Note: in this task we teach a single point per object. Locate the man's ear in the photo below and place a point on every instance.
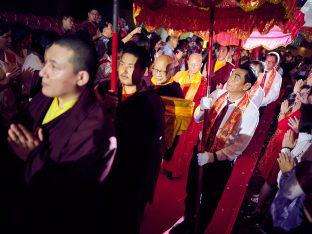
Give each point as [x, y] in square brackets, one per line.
[82, 78]
[246, 86]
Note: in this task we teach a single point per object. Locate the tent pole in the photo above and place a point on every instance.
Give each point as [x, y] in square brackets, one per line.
[238, 52]
[202, 143]
[114, 45]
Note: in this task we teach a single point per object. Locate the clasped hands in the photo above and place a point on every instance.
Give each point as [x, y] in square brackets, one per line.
[22, 141]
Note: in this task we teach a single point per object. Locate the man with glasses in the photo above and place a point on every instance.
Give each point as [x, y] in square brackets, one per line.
[232, 119]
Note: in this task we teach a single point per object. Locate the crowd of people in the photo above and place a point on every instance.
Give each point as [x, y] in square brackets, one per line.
[78, 157]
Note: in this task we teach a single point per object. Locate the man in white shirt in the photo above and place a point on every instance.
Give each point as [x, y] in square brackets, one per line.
[271, 81]
[171, 44]
[257, 92]
[231, 122]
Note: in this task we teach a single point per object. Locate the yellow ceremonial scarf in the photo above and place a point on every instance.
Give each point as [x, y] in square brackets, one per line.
[55, 111]
[219, 65]
[182, 78]
[153, 80]
[229, 125]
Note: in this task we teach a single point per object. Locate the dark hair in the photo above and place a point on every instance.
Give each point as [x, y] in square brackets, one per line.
[4, 27]
[142, 41]
[20, 31]
[303, 173]
[257, 62]
[250, 76]
[65, 17]
[153, 40]
[139, 52]
[109, 45]
[103, 24]
[43, 39]
[227, 47]
[169, 37]
[198, 40]
[84, 56]
[305, 123]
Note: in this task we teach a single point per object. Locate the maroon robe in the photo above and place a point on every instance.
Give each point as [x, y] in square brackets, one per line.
[64, 173]
[220, 76]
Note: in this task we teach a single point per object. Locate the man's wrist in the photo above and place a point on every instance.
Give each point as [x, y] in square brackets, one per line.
[286, 147]
[215, 156]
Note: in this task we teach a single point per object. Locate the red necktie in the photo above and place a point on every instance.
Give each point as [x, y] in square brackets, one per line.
[263, 79]
[216, 126]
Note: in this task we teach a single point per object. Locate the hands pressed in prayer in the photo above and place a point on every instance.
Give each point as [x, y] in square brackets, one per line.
[298, 85]
[23, 141]
[285, 162]
[284, 107]
[8, 74]
[204, 158]
[288, 141]
[293, 122]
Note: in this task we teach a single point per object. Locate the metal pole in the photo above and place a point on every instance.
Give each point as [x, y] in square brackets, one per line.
[238, 52]
[115, 45]
[202, 143]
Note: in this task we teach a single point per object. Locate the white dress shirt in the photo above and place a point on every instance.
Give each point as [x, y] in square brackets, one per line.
[304, 141]
[243, 131]
[257, 98]
[274, 91]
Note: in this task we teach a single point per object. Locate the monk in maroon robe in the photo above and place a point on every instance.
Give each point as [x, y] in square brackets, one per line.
[67, 144]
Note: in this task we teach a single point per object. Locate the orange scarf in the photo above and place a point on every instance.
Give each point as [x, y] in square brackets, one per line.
[269, 83]
[229, 125]
[194, 83]
[254, 89]
[124, 94]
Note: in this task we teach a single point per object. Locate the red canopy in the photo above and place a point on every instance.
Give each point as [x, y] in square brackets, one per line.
[239, 17]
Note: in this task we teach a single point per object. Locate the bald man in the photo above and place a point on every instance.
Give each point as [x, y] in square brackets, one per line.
[193, 87]
[164, 85]
[163, 71]
[191, 79]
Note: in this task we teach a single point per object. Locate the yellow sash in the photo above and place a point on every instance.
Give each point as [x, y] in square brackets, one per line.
[229, 125]
[219, 65]
[178, 116]
[194, 83]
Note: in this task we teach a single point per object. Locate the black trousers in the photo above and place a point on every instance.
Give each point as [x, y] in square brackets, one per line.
[169, 152]
[215, 177]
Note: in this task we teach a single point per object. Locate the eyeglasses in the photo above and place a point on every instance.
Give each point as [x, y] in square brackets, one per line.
[156, 71]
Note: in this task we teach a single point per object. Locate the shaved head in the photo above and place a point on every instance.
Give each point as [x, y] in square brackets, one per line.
[194, 63]
[163, 68]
